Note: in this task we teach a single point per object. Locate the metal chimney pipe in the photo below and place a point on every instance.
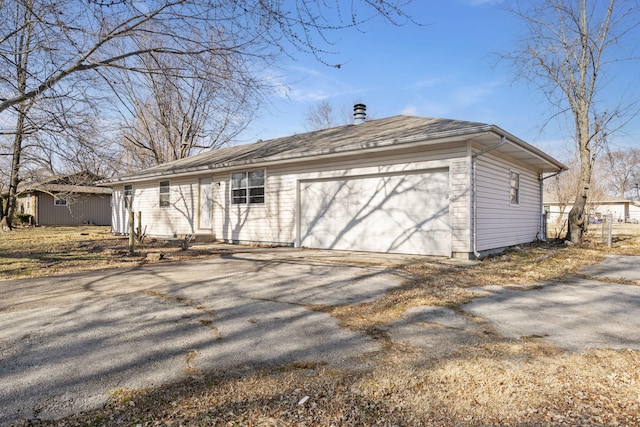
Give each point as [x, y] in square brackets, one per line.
[359, 114]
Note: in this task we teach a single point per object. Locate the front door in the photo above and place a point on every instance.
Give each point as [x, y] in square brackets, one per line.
[205, 204]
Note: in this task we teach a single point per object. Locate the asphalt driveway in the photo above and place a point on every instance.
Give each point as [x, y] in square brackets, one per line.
[66, 342]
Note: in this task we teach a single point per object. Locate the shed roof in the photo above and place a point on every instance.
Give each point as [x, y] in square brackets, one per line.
[373, 135]
[75, 183]
[550, 199]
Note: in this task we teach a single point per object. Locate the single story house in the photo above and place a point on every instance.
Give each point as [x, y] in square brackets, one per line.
[622, 210]
[401, 184]
[65, 200]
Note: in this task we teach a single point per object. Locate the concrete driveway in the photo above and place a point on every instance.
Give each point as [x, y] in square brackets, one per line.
[67, 341]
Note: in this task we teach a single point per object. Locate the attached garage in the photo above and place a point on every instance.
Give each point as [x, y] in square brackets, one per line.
[399, 213]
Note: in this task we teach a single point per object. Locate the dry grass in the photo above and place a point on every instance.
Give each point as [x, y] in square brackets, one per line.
[523, 383]
[450, 286]
[496, 382]
[46, 251]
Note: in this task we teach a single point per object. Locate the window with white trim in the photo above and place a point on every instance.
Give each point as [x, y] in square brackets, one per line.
[128, 196]
[515, 188]
[59, 201]
[165, 194]
[247, 187]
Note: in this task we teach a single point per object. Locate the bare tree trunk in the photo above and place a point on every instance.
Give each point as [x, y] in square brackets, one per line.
[577, 215]
[10, 207]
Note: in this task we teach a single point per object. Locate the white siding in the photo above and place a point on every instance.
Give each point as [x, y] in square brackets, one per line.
[118, 214]
[275, 221]
[179, 218]
[460, 205]
[269, 223]
[500, 223]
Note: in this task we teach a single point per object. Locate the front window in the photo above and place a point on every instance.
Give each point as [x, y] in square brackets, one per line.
[247, 187]
[515, 188]
[128, 196]
[59, 201]
[165, 194]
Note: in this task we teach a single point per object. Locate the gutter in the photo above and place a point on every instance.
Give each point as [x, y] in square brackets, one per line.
[474, 192]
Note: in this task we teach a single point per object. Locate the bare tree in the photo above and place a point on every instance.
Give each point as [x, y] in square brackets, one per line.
[51, 47]
[320, 116]
[560, 190]
[621, 169]
[323, 115]
[173, 113]
[568, 48]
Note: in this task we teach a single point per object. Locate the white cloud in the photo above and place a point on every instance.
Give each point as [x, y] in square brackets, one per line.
[470, 95]
[427, 83]
[304, 85]
[409, 110]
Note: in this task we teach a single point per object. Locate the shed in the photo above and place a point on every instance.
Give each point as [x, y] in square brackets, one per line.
[402, 184]
[65, 200]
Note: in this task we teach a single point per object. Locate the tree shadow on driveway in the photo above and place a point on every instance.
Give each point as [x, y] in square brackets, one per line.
[67, 341]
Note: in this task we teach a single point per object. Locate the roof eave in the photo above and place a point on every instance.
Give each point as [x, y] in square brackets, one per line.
[436, 138]
[554, 165]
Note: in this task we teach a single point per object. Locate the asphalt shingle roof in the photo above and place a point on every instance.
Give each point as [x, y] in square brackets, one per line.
[341, 139]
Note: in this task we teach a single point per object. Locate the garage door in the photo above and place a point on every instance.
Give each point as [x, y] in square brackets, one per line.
[406, 213]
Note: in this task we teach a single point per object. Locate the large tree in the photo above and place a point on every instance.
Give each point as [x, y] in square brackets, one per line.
[54, 47]
[568, 49]
[174, 112]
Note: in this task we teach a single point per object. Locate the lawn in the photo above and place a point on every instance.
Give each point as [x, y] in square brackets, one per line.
[45, 251]
[498, 381]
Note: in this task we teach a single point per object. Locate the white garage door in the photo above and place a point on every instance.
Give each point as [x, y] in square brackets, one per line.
[406, 213]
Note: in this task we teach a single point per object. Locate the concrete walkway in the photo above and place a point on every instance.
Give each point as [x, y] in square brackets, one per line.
[575, 315]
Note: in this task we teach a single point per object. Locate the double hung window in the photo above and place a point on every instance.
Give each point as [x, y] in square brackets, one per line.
[247, 187]
[515, 188]
[165, 194]
[128, 196]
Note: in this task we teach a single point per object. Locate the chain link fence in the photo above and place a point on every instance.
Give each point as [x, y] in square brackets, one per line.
[556, 225]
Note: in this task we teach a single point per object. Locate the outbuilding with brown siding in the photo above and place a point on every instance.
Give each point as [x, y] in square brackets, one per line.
[65, 200]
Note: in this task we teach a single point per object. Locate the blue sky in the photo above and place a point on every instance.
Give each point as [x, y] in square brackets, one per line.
[446, 68]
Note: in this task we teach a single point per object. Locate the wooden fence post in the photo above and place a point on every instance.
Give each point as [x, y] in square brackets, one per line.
[131, 232]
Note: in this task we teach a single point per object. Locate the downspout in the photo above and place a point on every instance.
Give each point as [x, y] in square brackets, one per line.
[474, 192]
[543, 225]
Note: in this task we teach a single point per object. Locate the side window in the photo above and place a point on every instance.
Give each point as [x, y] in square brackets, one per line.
[515, 188]
[247, 187]
[128, 196]
[165, 194]
[59, 201]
